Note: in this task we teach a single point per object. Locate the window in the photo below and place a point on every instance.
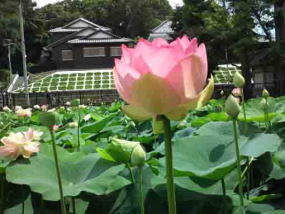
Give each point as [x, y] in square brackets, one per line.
[258, 78]
[93, 51]
[67, 55]
[115, 51]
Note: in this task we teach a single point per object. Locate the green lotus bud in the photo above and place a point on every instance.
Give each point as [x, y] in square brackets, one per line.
[75, 102]
[238, 80]
[232, 107]
[47, 119]
[121, 150]
[263, 104]
[138, 156]
[265, 93]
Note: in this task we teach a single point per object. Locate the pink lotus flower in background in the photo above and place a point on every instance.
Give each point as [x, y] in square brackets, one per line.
[44, 107]
[24, 112]
[20, 143]
[236, 92]
[160, 78]
[55, 127]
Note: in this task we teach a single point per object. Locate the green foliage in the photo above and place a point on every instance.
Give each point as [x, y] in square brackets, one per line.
[79, 173]
[203, 155]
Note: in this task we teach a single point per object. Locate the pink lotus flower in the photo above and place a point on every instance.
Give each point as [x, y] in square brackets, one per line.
[236, 92]
[20, 143]
[24, 112]
[158, 78]
[44, 107]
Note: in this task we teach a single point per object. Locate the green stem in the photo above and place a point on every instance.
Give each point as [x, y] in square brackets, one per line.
[78, 131]
[141, 197]
[244, 114]
[238, 165]
[131, 173]
[223, 187]
[63, 209]
[23, 203]
[2, 199]
[169, 165]
[73, 205]
[267, 114]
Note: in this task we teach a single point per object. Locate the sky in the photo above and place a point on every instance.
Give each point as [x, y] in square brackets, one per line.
[41, 3]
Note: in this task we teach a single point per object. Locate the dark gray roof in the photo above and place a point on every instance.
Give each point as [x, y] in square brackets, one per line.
[68, 27]
[92, 41]
[163, 30]
[68, 37]
[164, 27]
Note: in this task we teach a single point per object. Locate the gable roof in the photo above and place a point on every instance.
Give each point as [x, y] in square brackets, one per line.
[100, 36]
[71, 36]
[77, 25]
[163, 30]
[164, 27]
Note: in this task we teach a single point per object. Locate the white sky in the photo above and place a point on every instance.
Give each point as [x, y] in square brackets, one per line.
[41, 3]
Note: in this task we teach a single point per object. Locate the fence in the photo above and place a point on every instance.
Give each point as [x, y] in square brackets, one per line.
[55, 99]
[94, 97]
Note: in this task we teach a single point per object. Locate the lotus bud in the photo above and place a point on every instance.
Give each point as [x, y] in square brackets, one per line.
[238, 80]
[75, 102]
[48, 119]
[222, 93]
[232, 107]
[128, 152]
[263, 104]
[265, 93]
[138, 156]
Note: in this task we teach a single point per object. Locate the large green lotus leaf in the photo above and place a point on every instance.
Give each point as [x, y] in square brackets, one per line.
[259, 144]
[214, 116]
[204, 156]
[254, 112]
[79, 172]
[210, 151]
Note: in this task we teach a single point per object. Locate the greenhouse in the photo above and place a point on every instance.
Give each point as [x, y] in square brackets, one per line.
[90, 86]
[72, 80]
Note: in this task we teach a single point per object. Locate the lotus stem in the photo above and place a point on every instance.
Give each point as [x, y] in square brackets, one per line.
[244, 113]
[62, 203]
[169, 165]
[223, 187]
[141, 196]
[2, 199]
[78, 131]
[131, 173]
[238, 166]
[73, 205]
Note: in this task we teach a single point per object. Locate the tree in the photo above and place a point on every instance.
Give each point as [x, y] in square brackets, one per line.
[129, 18]
[234, 28]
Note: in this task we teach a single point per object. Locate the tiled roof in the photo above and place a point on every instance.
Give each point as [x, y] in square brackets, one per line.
[91, 41]
[62, 30]
[67, 28]
[165, 36]
[164, 27]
